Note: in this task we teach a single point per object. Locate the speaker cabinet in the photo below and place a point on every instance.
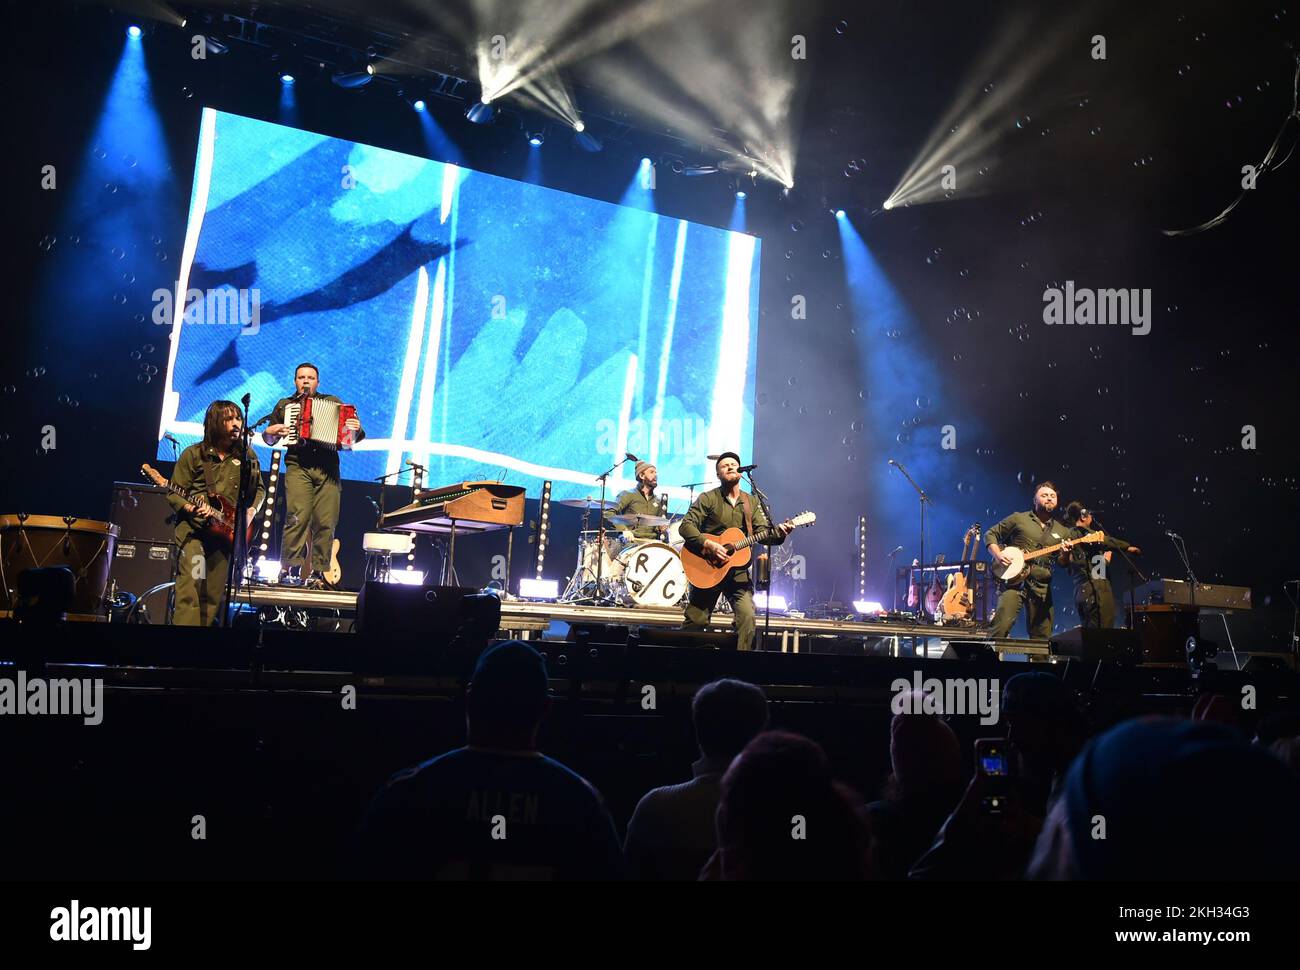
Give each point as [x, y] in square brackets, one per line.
[1111, 646]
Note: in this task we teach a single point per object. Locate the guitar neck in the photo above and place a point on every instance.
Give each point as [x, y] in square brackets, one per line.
[1090, 537]
[756, 537]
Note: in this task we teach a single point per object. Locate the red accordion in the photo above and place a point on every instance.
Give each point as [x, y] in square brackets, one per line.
[321, 421]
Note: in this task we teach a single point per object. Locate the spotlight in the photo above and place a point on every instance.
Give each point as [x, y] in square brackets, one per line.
[740, 194]
[286, 78]
[539, 589]
[888, 204]
[184, 21]
[480, 113]
[485, 99]
[418, 106]
[579, 126]
[537, 139]
[839, 213]
[133, 31]
[370, 69]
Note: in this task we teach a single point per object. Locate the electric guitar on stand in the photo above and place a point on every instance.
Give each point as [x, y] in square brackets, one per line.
[704, 573]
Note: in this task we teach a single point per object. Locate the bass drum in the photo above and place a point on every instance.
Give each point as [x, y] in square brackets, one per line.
[653, 574]
[83, 545]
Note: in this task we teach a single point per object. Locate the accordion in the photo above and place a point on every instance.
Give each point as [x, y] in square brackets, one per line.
[321, 421]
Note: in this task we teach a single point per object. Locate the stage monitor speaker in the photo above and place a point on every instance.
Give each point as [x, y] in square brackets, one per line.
[967, 650]
[1085, 643]
[650, 636]
[392, 608]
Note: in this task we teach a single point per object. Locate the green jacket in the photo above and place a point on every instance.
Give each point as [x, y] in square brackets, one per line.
[634, 502]
[308, 454]
[712, 514]
[224, 476]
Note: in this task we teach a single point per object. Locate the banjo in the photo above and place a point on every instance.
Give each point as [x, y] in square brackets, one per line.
[1019, 557]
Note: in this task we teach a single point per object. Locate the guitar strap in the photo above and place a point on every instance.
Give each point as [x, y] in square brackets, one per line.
[749, 514]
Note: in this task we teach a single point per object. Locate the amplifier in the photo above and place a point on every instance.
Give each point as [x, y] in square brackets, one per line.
[146, 552]
[1177, 592]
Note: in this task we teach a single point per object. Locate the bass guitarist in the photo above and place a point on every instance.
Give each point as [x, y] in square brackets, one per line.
[211, 467]
[715, 511]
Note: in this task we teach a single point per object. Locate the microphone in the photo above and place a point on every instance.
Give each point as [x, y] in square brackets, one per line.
[1172, 535]
[892, 462]
[713, 457]
[414, 464]
[245, 400]
[894, 553]
[170, 437]
[628, 456]
[747, 468]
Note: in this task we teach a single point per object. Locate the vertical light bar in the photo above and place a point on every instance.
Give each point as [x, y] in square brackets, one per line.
[728, 407]
[414, 341]
[417, 483]
[543, 526]
[272, 489]
[670, 324]
[862, 557]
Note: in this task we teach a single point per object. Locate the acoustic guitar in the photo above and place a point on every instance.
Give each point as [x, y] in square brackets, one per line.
[705, 573]
[220, 526]
[959, 601]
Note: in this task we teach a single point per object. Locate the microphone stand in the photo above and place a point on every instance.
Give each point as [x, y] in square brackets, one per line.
[1132, 571]
[240, 532]
[600, 530]
[893, 571]
[771, 523]
[924, 501]
[383, 482]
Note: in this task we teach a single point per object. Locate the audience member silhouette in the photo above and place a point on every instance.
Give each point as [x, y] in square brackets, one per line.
[498, 808]
[672, 832]
[922, 790]
[783, 817]
[1160, 798]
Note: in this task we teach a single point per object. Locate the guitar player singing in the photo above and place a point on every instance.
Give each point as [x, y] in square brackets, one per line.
[714, 512]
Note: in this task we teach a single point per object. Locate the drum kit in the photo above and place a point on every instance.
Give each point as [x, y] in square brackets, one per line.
[627, 570]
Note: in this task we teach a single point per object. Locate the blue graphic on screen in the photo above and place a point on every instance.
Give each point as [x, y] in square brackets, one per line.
[482, 327]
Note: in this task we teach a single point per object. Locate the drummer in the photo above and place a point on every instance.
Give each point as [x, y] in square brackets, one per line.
[638, 501]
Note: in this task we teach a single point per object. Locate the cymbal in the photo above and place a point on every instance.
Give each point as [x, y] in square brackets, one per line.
[586, 503]
[638, 520]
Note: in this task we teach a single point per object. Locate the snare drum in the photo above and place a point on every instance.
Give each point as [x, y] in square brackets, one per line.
[652, 574]
[83, 545]
[675, 536]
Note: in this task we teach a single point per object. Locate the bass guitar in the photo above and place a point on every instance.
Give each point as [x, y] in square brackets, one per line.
[221, 525]
[705, 573]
